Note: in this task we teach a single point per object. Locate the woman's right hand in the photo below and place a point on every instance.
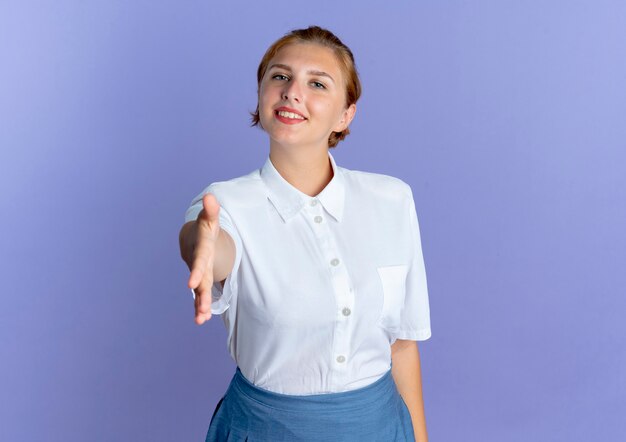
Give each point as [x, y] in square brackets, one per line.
[201, 277]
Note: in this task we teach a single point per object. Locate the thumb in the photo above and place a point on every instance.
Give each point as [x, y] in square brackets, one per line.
[211, 208]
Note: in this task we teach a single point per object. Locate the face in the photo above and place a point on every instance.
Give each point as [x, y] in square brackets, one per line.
[302, 96]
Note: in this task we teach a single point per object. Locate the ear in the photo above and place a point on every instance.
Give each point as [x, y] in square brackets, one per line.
[346, 118]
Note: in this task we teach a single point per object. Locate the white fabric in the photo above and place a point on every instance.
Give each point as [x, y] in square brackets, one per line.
[321, 286]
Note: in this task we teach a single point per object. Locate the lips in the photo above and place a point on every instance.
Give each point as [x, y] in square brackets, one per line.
[288, 115]
[289, 109]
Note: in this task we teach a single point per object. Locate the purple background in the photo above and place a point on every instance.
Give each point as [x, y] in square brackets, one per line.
[507, 119]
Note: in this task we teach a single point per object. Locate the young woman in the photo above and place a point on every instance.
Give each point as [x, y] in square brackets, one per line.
[316, 269]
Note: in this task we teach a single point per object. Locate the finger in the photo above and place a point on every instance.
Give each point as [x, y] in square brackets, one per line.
[203, 303]
[203, 300]
[211, 210]
[203, 263]
[201, 318]
[197, 273]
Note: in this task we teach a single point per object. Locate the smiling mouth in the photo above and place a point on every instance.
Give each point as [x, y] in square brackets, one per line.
[289, 115]
[289, 118]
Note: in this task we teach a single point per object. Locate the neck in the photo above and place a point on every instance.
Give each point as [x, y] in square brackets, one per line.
[307, 169]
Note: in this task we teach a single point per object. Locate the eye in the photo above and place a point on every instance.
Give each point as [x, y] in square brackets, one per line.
[318, 85]
[279, 75]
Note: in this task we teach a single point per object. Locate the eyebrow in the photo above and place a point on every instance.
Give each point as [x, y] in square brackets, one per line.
[287, 68]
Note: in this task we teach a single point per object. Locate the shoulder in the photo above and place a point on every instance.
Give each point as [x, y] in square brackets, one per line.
[240, 188]
[231, 194]
[378, 184]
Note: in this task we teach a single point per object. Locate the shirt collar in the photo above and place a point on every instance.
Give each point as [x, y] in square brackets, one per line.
[289, 201]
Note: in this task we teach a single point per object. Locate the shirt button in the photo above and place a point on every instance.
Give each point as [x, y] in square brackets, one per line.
[334, 262]
[341, 359]
[318, 219]
[346, 311]
[313, 202]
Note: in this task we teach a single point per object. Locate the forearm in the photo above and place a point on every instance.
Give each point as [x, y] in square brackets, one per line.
[406, 372]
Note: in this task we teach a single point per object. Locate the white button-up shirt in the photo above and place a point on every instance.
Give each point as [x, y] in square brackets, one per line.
[321, 286]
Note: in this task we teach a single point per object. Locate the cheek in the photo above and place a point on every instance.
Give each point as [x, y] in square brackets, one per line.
[322, 107]
[263, 104]
[262, 92]
[261, 97]
[266, 99]
[331, 112]
[266, 114]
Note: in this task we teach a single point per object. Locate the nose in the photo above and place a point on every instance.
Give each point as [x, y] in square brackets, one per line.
[292, 91]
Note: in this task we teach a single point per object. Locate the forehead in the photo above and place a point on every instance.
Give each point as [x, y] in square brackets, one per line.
[308, 56]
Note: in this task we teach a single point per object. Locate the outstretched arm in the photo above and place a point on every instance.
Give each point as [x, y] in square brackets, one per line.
[209, 251]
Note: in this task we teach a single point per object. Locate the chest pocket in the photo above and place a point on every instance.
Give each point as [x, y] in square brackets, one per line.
[393, 280]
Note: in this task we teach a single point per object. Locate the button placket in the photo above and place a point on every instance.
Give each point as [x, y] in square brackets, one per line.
[342, 290]
[314, 212]
[343, 298]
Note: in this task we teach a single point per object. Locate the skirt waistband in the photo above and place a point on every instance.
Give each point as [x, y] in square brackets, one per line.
[378, 392]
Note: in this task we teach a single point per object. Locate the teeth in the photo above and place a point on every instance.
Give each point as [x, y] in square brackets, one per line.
[290, 115]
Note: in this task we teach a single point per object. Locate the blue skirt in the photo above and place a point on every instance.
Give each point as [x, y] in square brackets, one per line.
[375, 412]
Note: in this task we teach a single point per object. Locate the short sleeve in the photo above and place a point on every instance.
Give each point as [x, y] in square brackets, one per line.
[415, 317]
[221, 297]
